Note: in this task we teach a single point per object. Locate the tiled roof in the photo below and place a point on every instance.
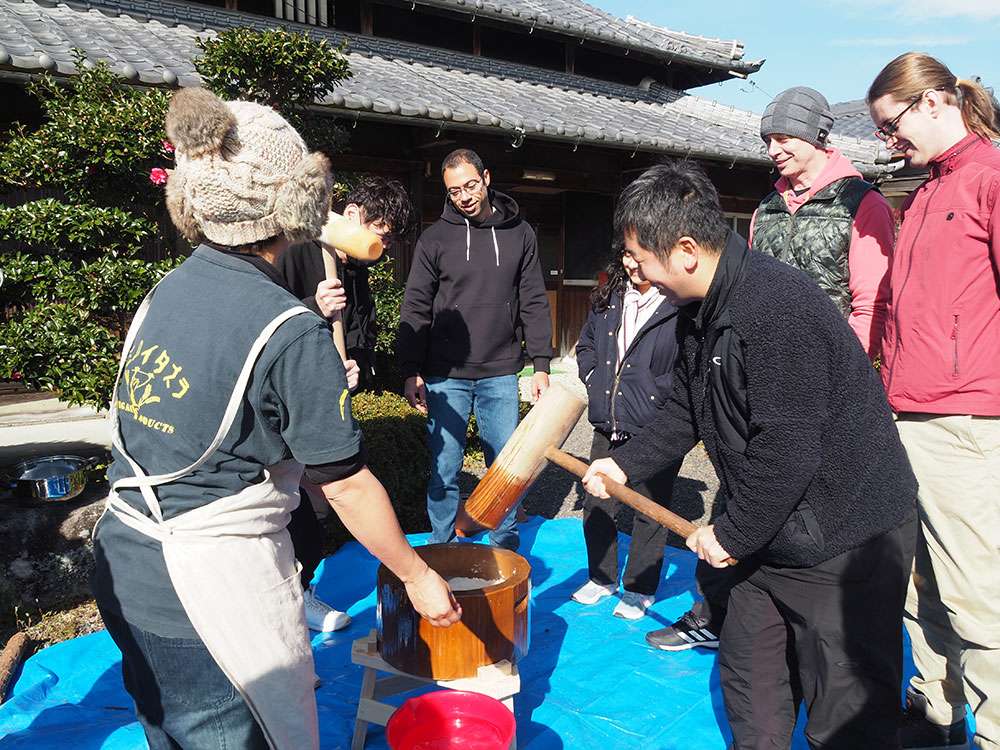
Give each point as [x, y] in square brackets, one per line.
[852, 119]
[579, 19]
[148, 41]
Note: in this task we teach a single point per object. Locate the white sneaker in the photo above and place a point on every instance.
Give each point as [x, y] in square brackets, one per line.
[633, 606]
[321, 616]
[592, 593]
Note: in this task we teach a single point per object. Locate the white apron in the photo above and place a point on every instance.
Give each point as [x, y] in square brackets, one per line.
[235, 573]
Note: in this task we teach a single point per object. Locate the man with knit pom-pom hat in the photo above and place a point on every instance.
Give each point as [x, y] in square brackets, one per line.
[217, 417]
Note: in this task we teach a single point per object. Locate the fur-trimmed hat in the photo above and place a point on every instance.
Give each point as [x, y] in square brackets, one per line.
[242, 174]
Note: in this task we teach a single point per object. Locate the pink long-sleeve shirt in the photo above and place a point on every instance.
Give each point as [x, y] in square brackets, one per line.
[872, 236]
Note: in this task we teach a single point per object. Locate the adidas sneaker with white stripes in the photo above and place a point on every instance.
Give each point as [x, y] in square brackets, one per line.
[689, 631]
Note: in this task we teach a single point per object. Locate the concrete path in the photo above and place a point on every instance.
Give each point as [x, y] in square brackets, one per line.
[50, 426]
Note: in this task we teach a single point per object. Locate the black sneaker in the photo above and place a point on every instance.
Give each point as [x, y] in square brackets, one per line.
[917, 733]
[689, 631]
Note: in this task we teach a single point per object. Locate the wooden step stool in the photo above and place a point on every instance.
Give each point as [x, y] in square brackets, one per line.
[500, 681]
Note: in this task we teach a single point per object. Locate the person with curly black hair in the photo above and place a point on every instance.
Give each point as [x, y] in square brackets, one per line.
[382, 206]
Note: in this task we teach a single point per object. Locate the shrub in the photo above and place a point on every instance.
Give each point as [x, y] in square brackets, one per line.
[72, 261]
[396, 442]
[284, 70]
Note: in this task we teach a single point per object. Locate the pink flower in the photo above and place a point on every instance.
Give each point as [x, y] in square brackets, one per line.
[168, 146]
[158, 176]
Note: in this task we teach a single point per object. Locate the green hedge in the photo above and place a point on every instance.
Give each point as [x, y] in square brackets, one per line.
[396, 442]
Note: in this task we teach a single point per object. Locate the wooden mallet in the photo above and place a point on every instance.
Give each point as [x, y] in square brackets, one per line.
[353, 240]
[10, 659]
[536, 440]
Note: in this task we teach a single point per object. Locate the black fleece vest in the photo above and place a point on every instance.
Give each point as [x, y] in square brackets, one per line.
[817, 238]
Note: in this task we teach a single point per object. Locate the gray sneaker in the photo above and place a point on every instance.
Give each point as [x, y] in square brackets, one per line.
[592, 593]
[633, 605]
[688, 632]
[321, 616]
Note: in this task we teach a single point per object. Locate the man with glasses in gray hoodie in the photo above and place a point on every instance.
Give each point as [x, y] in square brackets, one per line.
[475, 302]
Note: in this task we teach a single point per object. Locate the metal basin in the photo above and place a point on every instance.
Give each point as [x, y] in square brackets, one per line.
[50, 478]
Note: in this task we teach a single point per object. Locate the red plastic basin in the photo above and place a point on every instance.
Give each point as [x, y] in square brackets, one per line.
[448, 719]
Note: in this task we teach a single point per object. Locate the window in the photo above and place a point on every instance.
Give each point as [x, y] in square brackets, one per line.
[740, 224]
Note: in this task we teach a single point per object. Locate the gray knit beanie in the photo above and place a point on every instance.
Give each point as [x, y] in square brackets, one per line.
[242, 174]
[800, 112]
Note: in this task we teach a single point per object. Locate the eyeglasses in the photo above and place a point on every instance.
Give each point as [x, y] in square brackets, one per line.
[471, 187]
[888, 130]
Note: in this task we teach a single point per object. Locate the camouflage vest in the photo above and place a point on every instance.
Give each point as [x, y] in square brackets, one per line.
[817, 237]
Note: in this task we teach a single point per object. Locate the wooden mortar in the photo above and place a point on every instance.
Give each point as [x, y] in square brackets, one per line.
[494, 625]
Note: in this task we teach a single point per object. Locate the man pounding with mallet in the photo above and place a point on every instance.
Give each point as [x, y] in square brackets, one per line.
[819, 497]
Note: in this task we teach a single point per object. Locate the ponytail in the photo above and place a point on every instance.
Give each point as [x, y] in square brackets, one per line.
[979, 109]
[912, 73]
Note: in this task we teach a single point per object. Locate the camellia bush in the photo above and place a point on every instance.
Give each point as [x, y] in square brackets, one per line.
[90, 184]
[71, 251]
[287, 71]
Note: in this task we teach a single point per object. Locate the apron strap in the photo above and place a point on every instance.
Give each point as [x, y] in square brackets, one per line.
[145, 483]
[133, 330]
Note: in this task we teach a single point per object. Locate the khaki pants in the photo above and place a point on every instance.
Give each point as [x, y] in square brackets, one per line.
[953, 603]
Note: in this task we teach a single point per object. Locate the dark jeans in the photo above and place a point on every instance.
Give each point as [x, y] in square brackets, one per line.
[645, 554]
[830, 635]
[307, 537]
[182, 698]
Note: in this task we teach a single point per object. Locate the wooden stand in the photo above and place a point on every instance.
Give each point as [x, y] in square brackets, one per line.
[500, 681]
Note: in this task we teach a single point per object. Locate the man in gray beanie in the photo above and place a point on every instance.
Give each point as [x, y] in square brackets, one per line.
[216, 416]
[843, 230]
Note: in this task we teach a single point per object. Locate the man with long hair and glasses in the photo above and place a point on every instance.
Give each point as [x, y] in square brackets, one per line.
[941, 370]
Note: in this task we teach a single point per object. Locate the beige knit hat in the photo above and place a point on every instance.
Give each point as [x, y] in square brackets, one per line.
[242, 174]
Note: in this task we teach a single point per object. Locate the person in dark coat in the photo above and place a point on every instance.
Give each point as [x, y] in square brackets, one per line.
[626, 357]
[819, 498]
[628, 372]
[383, 207]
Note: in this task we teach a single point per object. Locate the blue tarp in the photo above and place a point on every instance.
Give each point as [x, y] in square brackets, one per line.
[589, 681]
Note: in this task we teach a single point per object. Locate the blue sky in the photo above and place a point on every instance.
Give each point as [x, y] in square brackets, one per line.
[836, 47]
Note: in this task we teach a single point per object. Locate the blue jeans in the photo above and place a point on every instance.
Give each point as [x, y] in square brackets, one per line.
[449, 402]
[182, 699]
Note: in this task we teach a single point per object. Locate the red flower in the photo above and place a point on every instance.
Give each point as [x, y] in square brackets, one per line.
[168, 146]
[158, 176]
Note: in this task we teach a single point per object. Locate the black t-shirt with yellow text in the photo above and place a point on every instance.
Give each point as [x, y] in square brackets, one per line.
[178, 377]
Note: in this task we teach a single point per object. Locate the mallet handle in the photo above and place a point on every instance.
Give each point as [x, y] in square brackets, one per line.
[330, 267]
[10, 659]
[627, 495]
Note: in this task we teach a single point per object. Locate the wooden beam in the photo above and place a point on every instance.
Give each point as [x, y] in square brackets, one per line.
[359, 163]
[367, 18]
[570, 57]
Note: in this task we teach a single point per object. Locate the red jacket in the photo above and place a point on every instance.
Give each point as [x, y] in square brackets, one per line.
[941, 347]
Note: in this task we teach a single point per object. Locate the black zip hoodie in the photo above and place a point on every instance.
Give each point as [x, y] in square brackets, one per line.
[475, 290]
